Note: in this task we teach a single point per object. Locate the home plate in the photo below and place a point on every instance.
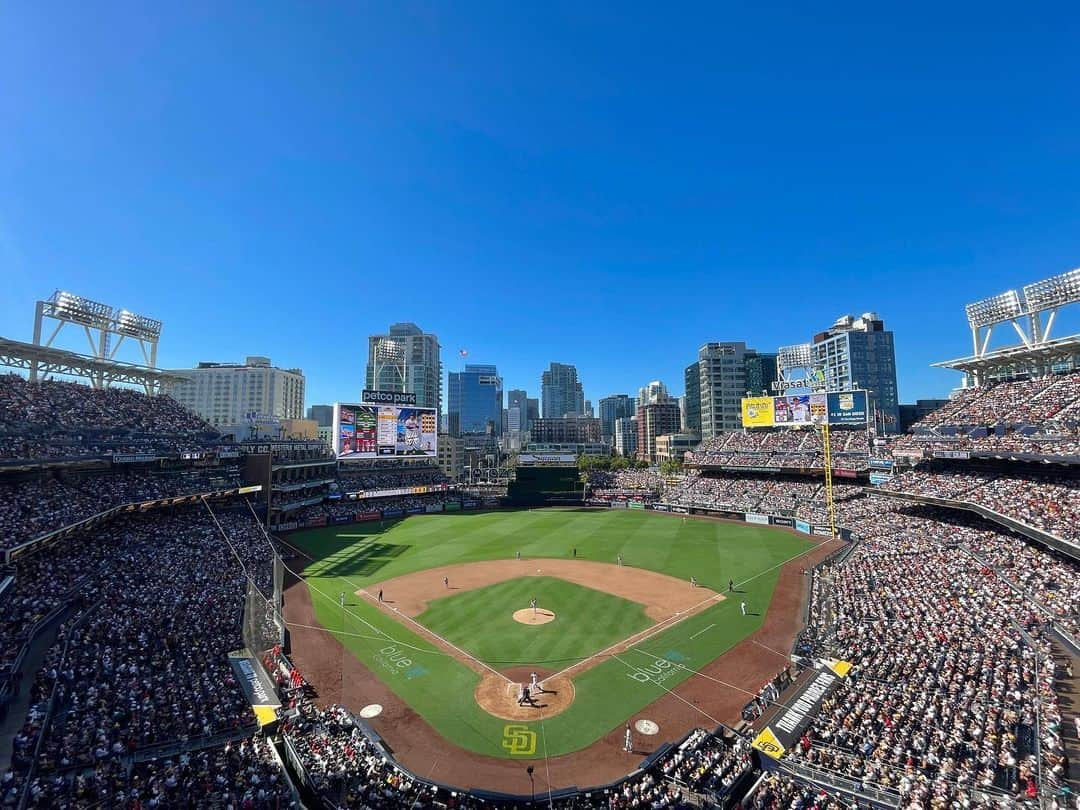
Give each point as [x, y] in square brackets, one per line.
[647, 727]
[375, 709]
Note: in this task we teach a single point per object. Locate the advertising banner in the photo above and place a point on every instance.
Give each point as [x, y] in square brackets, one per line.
[877, 479]
[388, 397]
[392, 513]
[779, 520]
[844, 473]
[881, 463]
[799, 710]
[657, 507]
[470, 504]
[757, 412]
[433, 507]
[962, 454]
[682, 510]
[754, 517]
[639, 505]
[133, 458]
[338, 519]
[415, 510]
[847, 408]
[491, 503]
[618, 505]
[452, 506]
[365, 516]
[371, 431]
[823, 531]
[802, 526]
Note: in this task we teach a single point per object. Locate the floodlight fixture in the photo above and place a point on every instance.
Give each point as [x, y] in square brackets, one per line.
[66, 306]
[996, 309]
[1055, 291]
[129, 324]
[797, 356]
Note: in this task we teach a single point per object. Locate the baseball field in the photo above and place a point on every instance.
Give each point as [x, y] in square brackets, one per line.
[617, 623]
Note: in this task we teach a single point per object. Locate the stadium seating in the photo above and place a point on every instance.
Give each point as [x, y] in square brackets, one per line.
[34, 506]
[782, 449]
[61, 419]
[1041, 500]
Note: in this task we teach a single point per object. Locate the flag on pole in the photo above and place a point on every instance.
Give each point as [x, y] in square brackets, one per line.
[463, 353]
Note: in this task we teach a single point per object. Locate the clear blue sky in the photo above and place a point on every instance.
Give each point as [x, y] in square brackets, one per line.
[605, 185]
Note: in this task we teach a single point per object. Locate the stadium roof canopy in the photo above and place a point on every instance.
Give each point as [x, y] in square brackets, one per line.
[1013, 360]
[101, 373]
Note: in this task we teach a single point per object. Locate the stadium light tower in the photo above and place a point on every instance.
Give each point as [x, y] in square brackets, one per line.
[100, 322]
[1048, 296]
[797, 358]
[390, 357]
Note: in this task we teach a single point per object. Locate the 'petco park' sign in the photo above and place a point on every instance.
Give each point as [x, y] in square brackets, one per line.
[388, 397]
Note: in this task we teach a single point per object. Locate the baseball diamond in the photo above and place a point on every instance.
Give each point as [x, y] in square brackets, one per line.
[449, 664]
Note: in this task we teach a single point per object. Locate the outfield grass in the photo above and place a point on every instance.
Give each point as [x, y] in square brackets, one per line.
[439, 688]
[586, 621]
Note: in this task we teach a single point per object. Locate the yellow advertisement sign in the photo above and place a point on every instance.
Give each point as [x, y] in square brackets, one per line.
[841, 668]
[766, 743]
[757, 412]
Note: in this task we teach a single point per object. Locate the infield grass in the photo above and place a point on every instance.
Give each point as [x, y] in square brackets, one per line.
[347, 558]
[586, 621]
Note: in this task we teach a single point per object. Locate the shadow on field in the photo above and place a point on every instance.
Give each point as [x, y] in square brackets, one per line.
[360, 560]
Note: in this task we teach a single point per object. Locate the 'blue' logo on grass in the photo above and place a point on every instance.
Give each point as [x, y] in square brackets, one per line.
[415, 672]
[675, 656]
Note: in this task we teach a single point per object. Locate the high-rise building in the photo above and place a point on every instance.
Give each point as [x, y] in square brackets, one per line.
[692, 408]
[588, 408]
[722, 385]
[657, 414]
[858, 353]
[234, 394]
[322, 414]
[517, 398]
[760, 373]
[474, 401]
[616, 406]
[626, 436]
[561, 391]
[532, 411]
[568, 430]
[406, 359]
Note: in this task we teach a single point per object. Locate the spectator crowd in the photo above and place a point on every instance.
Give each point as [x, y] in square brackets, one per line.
[51, 419]
[31, 507]
[783, 449]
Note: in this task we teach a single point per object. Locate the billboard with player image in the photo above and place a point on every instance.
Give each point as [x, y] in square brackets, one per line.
[371, 431]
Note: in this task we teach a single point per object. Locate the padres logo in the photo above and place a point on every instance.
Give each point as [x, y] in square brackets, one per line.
[519, 740]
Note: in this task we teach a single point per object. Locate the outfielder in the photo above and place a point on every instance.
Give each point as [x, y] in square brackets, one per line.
[742, 605]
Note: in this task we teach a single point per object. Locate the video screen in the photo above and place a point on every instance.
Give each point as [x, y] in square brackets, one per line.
[370, 431]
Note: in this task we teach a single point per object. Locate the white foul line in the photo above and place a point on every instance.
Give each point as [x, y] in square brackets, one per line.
[699, 632]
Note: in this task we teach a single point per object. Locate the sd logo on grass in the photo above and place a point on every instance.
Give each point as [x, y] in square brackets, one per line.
[519, 740]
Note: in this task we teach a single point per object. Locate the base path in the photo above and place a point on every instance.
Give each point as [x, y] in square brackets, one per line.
[662, 595]
[341, 678]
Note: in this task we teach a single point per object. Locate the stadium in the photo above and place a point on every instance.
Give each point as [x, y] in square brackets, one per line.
[808, 613]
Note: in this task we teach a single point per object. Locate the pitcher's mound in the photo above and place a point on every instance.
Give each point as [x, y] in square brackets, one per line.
[498, 697]
[530, 616]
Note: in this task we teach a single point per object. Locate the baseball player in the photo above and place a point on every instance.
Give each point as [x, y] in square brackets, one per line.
[618, 559]
[742, 606]
[532, 604]
[693, 582]
[731, 584]
[519, 555]
[380, 595]
[628, 745]
[446, 582]
[535, 683]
